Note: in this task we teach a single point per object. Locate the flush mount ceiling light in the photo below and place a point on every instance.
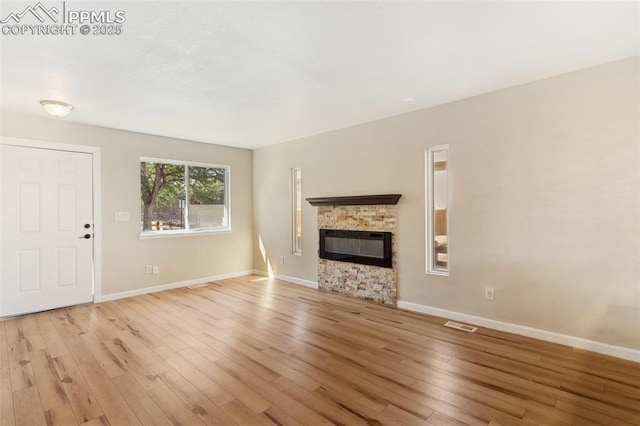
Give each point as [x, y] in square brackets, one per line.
[57, 108]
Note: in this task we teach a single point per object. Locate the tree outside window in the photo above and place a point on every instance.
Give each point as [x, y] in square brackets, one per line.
[183, 196]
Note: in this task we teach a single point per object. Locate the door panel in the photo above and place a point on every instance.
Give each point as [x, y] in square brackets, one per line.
[66, 207]
[29, 276]
[29, 207]
[46, 262]
[66, 266]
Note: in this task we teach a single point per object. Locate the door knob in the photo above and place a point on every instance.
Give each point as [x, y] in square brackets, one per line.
[87, 226]
[85, 236]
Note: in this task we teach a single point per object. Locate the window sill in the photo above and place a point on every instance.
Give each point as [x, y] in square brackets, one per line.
[182, 233]
[439, 273]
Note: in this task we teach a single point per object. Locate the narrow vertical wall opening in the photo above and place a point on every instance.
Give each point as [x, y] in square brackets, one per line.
[296, 211]
[437, 210]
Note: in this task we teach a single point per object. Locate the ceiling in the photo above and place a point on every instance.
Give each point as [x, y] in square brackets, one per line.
[251, 74]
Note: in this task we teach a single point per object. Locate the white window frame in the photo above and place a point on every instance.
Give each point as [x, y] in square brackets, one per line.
[192, 232]
[429, 211]
[295, 249]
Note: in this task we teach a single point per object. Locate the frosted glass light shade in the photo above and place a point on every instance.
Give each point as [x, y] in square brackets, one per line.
[57, 108]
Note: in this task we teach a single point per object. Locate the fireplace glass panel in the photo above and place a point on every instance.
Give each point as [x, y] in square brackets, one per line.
[368, 248]
[364, 247]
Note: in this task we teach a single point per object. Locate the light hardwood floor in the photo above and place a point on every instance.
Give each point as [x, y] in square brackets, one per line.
[257, 351]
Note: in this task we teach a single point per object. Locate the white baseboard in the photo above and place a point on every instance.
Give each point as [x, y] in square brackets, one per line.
[548, 336]
[287, 278]
[299, 281]
[163, 287]
[259, 272]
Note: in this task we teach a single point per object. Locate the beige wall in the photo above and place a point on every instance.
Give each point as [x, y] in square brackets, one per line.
[124, 254]
[544, 202]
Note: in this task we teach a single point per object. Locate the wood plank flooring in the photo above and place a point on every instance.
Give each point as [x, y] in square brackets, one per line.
[256, 351]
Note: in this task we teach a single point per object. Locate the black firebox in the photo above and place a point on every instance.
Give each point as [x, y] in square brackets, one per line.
[364, 247]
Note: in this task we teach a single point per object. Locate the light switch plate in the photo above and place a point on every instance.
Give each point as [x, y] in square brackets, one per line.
[122, 216]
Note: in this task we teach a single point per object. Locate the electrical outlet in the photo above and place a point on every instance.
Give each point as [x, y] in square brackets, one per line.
[489, 293]
[282, 260]
[148, 269]
[155, 269]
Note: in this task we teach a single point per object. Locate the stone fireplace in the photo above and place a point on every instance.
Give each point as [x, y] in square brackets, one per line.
[375, 214]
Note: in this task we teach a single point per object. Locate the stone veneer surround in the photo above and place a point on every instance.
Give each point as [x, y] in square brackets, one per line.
[363, 281]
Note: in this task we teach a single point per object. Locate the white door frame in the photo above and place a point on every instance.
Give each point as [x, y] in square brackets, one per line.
[97, 197]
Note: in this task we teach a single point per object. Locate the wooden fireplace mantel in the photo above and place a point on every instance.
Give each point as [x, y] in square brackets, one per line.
[355, 200]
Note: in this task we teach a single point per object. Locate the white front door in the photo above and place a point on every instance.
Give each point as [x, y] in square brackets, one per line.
[46, 251]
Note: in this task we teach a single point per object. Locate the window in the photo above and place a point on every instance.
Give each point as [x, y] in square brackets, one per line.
[179, 197]
[296, 211]
[437, 210]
